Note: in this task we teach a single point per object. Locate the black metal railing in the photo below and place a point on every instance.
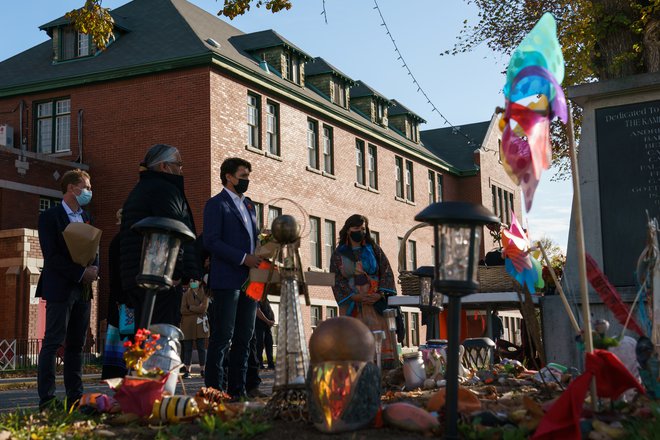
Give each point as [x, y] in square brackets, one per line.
[23, 354]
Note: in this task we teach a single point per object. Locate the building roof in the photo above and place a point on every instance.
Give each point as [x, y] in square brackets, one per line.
[168, 34]
[362, 89]
[321, 66]
[399, 109]
[267, 39]
[456, 145]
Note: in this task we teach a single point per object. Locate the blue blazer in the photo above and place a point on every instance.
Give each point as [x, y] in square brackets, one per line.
[60, 274]
[227, 240]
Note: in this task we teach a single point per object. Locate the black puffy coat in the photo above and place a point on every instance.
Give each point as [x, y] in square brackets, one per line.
[161, 195]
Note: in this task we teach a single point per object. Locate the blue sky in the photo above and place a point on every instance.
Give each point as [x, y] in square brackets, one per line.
[466, 88]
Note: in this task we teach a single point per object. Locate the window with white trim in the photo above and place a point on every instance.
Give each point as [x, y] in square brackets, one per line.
[410, 187]
[253, 104]
[53, 125]
[398, 176]
[315, 242]
[359, 162]
[329, 240]
[328, 150]
[372, 167]
[313, 144]
[272, 128]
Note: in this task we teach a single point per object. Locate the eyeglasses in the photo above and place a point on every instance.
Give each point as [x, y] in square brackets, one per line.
[179, 164]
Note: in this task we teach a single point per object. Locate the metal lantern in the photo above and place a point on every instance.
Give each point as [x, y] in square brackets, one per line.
[457, 239]
[430, 301]
[390, 316]
[160, 250]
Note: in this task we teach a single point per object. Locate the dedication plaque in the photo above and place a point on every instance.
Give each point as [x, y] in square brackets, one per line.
[628, 145]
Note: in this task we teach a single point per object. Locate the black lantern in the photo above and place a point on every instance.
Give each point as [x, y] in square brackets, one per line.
[457, 228]
[160, 250]
[430, 301]
[428, 296]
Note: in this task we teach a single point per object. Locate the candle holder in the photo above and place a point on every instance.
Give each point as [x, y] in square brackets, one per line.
[379, 336]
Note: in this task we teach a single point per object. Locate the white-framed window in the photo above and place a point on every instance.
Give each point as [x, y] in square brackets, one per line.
[398, 176]
[502, 203]
[414, 328]
[359, 162]
[272, 128]
[53, 124]
[315, 242]
[439, 192]
[411, 255]
[315, 315]
[372, 167]
[331, 312]
[46, 203]
[328, 150]
[380, 111]
[259, 213]
[83, 45]
[291, 68]
[329, 240]
[339, 90]
[74, 44]
[273, 213]
[253, 121]
[313, 144]
[375, 236]
[410, 187]
[431, 187]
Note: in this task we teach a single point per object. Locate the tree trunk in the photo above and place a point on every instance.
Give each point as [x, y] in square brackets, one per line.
[652, 46]
[614, 57]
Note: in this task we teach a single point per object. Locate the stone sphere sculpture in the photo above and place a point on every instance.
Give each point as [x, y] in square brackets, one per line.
[285, 229]
[341, 339]
[343, 382]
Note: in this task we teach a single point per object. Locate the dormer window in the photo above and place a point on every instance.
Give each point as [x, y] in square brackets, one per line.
[74, 44]
[381, 113]
[291, 69]
[339, 92]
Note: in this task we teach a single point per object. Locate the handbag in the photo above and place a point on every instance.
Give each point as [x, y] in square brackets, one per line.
[126, 320]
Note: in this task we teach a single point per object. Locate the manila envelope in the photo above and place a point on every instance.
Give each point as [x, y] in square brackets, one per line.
[83, 242]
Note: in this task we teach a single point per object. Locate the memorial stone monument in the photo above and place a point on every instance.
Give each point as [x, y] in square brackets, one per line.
[619, 167]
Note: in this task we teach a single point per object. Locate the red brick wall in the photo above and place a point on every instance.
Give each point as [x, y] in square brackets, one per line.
[203, 113]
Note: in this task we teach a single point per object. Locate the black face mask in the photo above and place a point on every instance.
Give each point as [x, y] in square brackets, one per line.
[241, 186]
[357, 236]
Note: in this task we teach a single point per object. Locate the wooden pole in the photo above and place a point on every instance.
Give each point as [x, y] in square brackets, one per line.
[579, 235]
[567, 306]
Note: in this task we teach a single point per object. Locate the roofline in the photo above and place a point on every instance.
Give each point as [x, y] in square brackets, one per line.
[330, 111]
[218, 60]
[111, 74]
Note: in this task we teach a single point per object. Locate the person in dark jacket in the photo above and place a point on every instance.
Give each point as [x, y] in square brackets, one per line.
[66, 287]
[113, 360]
[158, 193]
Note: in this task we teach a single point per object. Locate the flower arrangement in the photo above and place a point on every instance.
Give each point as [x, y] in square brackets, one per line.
[144, 344]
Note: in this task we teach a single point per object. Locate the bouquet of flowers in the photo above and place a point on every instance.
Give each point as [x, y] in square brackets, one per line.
[139, 350]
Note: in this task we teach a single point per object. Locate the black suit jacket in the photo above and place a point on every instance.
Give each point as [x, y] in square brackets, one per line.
[60, 274]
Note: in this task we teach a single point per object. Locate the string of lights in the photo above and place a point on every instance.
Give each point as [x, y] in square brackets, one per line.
[400, 57]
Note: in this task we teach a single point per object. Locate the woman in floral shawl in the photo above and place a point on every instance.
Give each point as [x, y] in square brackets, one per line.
[363, 279]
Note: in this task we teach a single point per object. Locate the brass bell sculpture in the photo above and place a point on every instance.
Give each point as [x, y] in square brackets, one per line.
[343, 383]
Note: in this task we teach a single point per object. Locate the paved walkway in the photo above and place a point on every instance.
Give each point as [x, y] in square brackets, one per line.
[26, 397]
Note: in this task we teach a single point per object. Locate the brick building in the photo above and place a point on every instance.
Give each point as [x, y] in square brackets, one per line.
[176, 74]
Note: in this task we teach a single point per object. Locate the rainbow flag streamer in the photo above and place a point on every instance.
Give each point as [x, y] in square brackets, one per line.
[518, 261]
[534, 97]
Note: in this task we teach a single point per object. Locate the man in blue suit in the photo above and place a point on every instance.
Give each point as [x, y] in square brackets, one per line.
[230, 235]
[65, 286]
